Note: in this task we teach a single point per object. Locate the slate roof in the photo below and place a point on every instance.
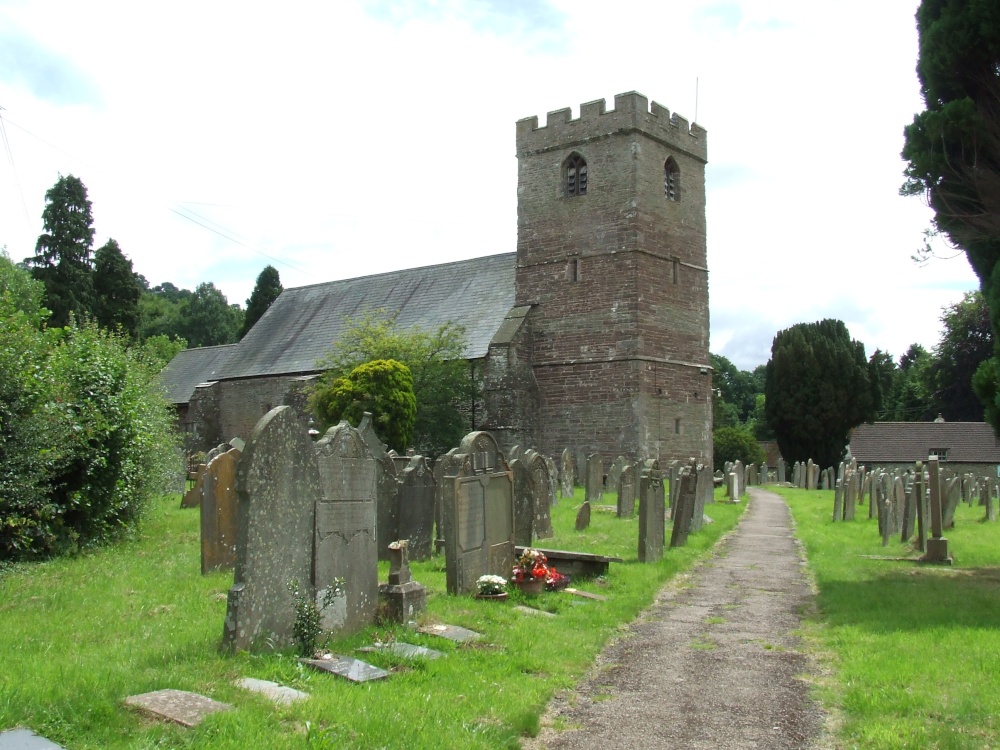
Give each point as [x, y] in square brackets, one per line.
[191, 367]
[899, 442]
[303, 322]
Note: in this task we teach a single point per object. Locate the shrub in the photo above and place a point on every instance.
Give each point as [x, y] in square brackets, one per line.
[735, 444]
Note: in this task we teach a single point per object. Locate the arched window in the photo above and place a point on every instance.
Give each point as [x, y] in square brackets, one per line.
[671, 180]
[576, 175]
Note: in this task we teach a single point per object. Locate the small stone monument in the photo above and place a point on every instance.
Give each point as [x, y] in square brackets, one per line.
[404, 597]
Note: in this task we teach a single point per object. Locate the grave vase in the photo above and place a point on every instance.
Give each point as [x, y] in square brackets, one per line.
[531, 586]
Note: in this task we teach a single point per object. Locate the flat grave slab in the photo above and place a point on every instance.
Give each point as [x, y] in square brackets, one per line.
[582, 564]
[451, 632]
[354, 670]
[25, 739]
[280, 694]
[532, 611]
[178, 706]
[586, 595]
[406, 650]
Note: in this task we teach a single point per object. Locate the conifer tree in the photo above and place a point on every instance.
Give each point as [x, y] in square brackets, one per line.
[116, 290]
[265, 292]
[62, 259]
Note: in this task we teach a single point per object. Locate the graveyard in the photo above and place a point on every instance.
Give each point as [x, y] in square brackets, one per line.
[86, 641]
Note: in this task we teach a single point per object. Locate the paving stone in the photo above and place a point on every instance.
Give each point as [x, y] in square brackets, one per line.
[280, 694]
[451, 632]
[25, 739]
[354, 670]
[179, 706]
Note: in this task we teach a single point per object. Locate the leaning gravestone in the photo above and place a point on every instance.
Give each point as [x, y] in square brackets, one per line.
[345, 529]
[277, 482]
[595, 478]
[583, 516]
[541, 526]
[626, 492]
[478, 509]
[524, 502]
[652, 512]
[683, 512]
[218, 513]
[416, 508]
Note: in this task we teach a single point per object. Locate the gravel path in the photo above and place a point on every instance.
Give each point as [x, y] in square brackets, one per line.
[713, 663]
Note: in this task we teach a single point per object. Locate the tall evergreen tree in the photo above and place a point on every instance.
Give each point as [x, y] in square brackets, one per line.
[816, 389]
[62, 253]
[116, 290]
[266, 291]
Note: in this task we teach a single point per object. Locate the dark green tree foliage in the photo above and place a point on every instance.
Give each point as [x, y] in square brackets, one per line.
[966, 342]
[383, 387]
[116, 290]
[85, 434]
[442, 378]
[735, 444]
[737, 387]
[265, 292]
[816, 389]
[160, 311]
[207, 318]
[62, 253]
[911, 390]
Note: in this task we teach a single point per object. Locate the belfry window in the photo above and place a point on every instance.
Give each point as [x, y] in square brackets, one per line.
[576, 175]
[671, 180]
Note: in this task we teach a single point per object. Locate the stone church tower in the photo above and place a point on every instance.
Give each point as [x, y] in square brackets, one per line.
[611, 262]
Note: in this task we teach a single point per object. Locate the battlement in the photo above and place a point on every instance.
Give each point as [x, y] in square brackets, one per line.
[632, 111]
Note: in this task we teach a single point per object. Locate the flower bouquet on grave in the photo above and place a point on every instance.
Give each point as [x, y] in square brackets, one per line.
[532, 573]
[491, 587]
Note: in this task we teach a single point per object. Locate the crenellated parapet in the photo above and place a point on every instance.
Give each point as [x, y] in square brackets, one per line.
[632, 112]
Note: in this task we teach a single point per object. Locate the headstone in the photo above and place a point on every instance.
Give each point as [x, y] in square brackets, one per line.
[446, 465]
[533, 611]
[478, 516]
[580, 464]
[524, 502]
[178, 706]
[909, 509]
[838, 501]
[986, 495]
[541, 489]
[810, 475]
[952, 497]
[595, 478]
[702, 477]
[918, 484]
[764, 478]
[193, 496]
[416, 494]
[553, 471]
[218, 513]
[404, 598]
[568, 474]
[937, 545]
[781, 470]
[344, 544]
[386, 488]
[277, 482]
[851, 499]
[652, 512]
[626, 492]
[686, 501]
[583, 516]
[614, 471]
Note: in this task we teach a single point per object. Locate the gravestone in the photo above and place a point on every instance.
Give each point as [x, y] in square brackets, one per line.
[583, 516]
[811, 475]
[918, 494]
[344, 543]
[550, 466]
[614, 471]
[781, 470]
[179, 706]
[652, 512]
[687, 497]
[626, 492]
[416, 494]
[542, 499]
[568, 474]
[595, 478]
[909, 510]
[347, 667]
[524, 502]
[478, 515]
[764, 478]
[218, 513]
[838, 501]
[580, 464]
[702, 479]
[986, 498]
[193, 496]
[278, 486]
[388, 466]
[446, 465]
[937, 545]
[796, 473]
[851, 499]
[404, 598]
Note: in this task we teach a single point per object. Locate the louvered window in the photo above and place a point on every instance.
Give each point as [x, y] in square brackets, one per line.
[671, 180]
[576, 176]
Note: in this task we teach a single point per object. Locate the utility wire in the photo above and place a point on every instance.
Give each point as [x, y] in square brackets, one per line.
[13, 169]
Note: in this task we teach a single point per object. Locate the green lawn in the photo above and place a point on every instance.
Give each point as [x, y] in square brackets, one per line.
[79, 635]
[914, 649]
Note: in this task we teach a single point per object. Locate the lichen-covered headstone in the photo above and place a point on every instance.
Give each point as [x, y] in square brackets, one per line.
[568, 474]
[595, 478]
[524, 502]
[218, 513]
[416, 508]
[277, 483]
[652, 512]
[344, 544]
[614, 471]
[686, 500]
[541, 527]
[445, 466]
[553, 471]
[626, 492]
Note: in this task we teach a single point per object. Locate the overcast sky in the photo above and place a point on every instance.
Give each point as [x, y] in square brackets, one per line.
[338, 139]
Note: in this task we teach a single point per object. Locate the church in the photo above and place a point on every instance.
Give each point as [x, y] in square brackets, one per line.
[593, 335]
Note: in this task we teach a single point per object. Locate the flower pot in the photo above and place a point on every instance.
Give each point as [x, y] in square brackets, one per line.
[502, 596]
[531, 587]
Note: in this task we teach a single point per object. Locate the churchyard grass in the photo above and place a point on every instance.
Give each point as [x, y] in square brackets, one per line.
[79, 635]
[914, 650]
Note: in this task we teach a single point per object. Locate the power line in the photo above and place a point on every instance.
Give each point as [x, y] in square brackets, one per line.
[13, 169]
